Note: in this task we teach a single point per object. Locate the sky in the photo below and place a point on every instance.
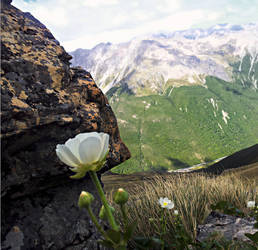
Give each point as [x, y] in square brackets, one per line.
[86, 23]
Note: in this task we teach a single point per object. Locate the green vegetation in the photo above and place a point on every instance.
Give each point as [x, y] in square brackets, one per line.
[185, 125]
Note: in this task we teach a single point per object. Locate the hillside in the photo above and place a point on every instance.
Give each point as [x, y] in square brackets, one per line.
[181, 98]
[189, 126]
[243, 162]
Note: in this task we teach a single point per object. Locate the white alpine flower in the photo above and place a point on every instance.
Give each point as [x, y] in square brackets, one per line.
[85, 152]
[251, 204]
[166, 203]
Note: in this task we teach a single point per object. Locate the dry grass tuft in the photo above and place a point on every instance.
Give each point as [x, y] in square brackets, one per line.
[192, 195]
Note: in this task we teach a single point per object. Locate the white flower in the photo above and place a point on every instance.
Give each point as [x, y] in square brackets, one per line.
[251, 204]
[85, 152]
[166, 203]
[176, 212]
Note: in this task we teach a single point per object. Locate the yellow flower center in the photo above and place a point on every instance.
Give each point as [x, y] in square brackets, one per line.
[165, 203]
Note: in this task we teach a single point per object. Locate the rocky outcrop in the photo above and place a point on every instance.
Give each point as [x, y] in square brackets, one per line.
[230, 227]
[44, 103]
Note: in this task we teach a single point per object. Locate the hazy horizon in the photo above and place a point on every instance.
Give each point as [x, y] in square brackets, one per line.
[86, 23]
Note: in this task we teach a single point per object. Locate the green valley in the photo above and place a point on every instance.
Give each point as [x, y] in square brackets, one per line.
[186, 125]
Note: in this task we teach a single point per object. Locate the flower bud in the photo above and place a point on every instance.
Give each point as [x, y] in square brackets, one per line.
[121, 196]
[103, 214]
[85, 200]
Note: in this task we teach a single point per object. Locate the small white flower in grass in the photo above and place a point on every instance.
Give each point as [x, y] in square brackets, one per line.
[251, 204]
[176, 212]
[85, 152]
[166, 203]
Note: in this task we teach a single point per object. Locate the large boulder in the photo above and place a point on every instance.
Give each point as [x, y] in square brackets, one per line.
[44, 103]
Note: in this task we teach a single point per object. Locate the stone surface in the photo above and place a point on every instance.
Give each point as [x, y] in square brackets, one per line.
[50, 219]
[233, 228]
[44, 103]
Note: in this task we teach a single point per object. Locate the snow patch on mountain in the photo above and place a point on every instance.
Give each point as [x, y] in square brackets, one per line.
[214, 103]
[225, 116]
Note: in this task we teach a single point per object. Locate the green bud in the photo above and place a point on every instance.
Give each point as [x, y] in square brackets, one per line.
[85, 200]
[103, 214]
[151, 220]
[121, 196]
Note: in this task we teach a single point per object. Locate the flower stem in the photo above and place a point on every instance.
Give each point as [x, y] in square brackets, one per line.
[163, 229]
[123, 209]
[95, 221]
[102, 196]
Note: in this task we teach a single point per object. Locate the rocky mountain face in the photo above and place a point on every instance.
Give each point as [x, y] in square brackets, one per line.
[151, 64]
[44, 102]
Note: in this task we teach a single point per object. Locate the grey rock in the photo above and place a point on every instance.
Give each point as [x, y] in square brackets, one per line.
[51, 219]
[14, 239]
[232, 228]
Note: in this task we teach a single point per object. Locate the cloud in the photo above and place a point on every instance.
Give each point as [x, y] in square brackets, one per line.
[167, 5]
[98, 3]
[51, 15]
[57, 16]
[178, 21]
[90, 40]
[84, 23]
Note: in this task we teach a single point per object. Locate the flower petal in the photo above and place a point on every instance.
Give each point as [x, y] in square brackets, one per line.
[81, 137]
[66, 156]
[105, 144]
[161, 201]
[90, 149]
[166, 200]
[170, 205]
[73, 145]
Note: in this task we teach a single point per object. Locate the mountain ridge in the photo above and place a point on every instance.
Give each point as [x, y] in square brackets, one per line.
[150, 64]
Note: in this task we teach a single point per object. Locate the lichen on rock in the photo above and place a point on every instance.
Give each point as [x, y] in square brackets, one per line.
[44, 103]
